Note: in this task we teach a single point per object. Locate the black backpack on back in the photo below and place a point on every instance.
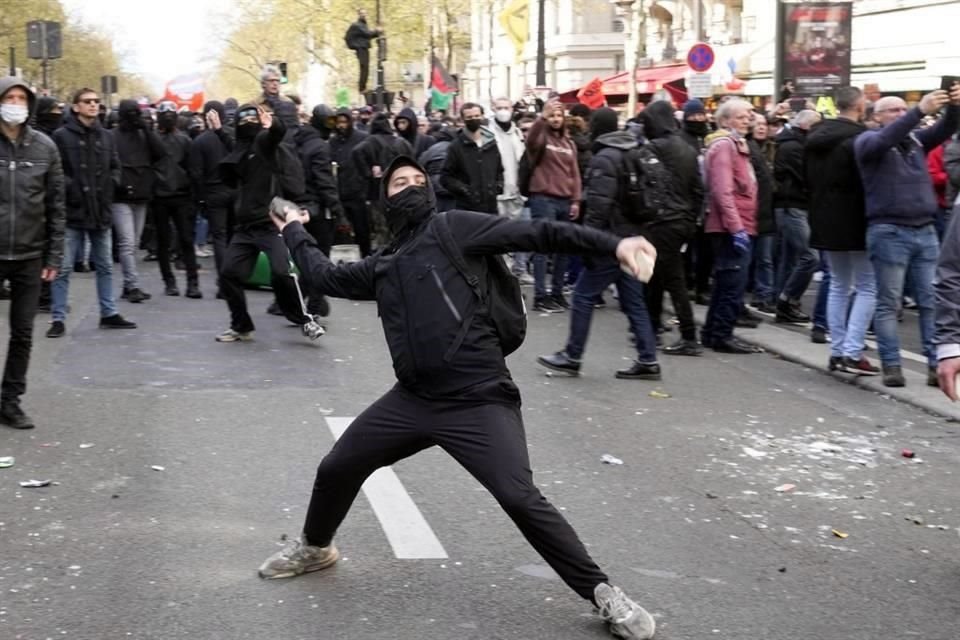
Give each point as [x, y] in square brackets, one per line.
[645, 184]
[502, 293]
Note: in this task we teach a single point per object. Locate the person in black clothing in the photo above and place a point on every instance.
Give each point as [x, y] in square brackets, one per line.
[797, 261]
[408, 128]
[172, 202]
[211, 196]
[465, 402]
[370, 158]
[760, 144]
[139, 150]
[675, 228]
[92, 170]
[47, 119]
[320, 198]
[260, 169]
[323, 120]
[31, 248]
[604, 211]
[433, 160]
[358, 39]
[473, 172]
[350, 181]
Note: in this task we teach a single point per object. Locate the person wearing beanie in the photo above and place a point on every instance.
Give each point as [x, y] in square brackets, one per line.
[49, 115]
[212, 198]
[675, 226]
[454, 392]
[695, 125]
[605, 211]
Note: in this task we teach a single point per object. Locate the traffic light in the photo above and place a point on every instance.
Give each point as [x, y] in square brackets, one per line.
[283, 72]
[44, 40]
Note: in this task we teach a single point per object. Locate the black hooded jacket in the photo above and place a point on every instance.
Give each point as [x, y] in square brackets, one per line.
[342, 145]
[788, 171]
[661, 129]
[604, 176]
[766, 222]
[254, 168]
[139, 149]
[837, 209]
[378, 150]
[173, 169]
[422, 299]
[433, 160]
[206, 153]
[412, 135]
[44, 121]
[321, 188]
[91, 169]
[359, 35]
[474, 173]
[319, 120]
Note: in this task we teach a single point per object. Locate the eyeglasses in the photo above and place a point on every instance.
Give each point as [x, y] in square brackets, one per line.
[893, 110]
[89, 101]
[272, 80]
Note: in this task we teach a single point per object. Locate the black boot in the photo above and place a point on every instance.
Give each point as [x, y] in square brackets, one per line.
[640, 371]
[170, 288]
[13, 416]
[193, 288]
[561, 362]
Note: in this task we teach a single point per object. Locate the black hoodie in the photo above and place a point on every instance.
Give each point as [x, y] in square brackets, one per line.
[206, 153]
[90, 166]
[378, 150]
[139, 149]
[321, 188]
[661, 129]
[788, 171]
[417, 140]
[837, 209]
[422, 299]
[319, 120]
[342, 145]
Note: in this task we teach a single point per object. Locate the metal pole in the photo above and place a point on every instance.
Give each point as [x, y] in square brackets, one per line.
[380, 55]
[45, 65]
[13, 61]
[541, 44]
[778, 53]
[698, 20]
[630, 59]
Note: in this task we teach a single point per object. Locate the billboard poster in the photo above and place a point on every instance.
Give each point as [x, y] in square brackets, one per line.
[815, 49]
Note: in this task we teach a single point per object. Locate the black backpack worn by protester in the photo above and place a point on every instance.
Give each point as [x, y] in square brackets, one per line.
[645, 184]
[501, 294]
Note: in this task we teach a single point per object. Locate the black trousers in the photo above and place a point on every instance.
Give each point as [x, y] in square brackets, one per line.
[219, 212]
[179, 212]
[668, 275]
[238, 264]
[363, 57]
[24, 279]
[703, 267]
[358, 214]
[488, 440]
[322, 229]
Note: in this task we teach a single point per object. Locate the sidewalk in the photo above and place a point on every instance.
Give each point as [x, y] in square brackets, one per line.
[796, 347]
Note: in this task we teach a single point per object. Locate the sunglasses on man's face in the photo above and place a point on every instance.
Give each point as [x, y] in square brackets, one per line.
[89, 101]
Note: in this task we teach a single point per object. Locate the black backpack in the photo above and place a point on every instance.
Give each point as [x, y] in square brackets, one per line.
[645, 184]
[503, 296]
[288, 180]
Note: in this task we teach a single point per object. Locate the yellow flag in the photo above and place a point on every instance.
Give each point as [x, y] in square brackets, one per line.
[515, 20]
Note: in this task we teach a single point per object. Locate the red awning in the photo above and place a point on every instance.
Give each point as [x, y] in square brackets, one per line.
[648, 80]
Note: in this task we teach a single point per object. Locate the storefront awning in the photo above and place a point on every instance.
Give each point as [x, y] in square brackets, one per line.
[649, 81]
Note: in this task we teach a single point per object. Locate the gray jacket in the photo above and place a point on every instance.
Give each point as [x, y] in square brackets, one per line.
[946, 290]
[31, 193]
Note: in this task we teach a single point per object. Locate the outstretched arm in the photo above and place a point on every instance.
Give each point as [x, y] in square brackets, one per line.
[353, 281]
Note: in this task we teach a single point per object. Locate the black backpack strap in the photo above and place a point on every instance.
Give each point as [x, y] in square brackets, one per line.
[452, 250]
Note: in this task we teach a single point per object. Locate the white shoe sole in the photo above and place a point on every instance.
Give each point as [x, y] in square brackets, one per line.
[329, 562]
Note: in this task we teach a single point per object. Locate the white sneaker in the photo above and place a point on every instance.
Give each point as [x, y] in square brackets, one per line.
[626, 618]
[298, 558]
[235, 336]
[312, 329]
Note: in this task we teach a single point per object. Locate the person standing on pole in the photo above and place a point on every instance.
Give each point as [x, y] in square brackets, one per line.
[358, 38]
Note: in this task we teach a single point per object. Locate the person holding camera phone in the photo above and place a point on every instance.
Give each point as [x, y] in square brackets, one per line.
[454, 389]
[901, 208]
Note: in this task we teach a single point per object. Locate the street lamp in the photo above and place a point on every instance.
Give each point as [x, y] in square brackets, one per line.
[629, 10]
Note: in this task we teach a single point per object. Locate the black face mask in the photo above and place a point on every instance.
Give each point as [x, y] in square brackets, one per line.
[695, 128]
[166, 121]
[473, 125]
[248, 131]
[407, 209]
[49, 121]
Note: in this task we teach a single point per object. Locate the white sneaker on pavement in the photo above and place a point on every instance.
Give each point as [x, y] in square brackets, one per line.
[626, 618]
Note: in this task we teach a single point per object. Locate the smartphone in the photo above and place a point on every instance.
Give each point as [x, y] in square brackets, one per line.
[947, 82]
[797, 104]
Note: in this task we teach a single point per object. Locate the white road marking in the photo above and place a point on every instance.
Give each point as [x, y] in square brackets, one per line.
[405, 527]
[909, 355]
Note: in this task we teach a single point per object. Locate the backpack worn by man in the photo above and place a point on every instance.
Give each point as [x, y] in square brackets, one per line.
[645, 184]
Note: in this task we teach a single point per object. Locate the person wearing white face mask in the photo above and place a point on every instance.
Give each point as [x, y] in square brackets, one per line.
[31, 173]
[510, 203]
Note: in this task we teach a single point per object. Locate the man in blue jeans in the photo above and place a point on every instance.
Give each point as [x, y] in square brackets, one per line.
[91, 166]
[604, 211]
[901, 207]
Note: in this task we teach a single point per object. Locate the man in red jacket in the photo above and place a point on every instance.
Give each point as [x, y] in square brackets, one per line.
[731, 223]
[938, 173]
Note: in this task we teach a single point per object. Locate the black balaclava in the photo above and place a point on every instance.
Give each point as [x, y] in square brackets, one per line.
[603, 120]
[406, 210]
[249, 130]
[129, 116]
[167, 121]
[47, 122]
[229, 109]
[320, 120]
[380, 125]
[658, 119]
[213, 105]
[286, 112]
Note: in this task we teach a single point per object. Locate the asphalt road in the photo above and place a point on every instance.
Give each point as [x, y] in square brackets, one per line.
[692, 524]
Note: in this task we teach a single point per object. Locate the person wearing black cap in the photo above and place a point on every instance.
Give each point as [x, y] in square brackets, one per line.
[695, 125]
[259, 168]
[604, 211]
[212, 197]
[352, 187]
[458, 395]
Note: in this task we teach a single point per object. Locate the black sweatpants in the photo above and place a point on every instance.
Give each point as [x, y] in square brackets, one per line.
[322, 228]
[669, 239]
[178, 211]
[358, 214]
[24, 279]
[238, 264]
[363, 57]
[488, 440]
[219, 212]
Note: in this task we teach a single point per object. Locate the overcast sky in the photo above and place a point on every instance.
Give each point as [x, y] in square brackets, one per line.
[158, 40]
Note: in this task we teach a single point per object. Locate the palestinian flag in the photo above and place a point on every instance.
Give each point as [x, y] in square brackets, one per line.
[440, 80]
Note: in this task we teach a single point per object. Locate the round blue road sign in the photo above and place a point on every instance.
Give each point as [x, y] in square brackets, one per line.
[700, 57]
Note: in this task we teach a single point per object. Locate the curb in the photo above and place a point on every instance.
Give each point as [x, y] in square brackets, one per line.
[796, 347]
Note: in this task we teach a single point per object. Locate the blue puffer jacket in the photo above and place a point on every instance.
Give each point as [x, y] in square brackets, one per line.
[893, 167]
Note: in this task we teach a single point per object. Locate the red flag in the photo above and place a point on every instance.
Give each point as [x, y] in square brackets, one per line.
[592, 94]
[440, 79]
[186, 91]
